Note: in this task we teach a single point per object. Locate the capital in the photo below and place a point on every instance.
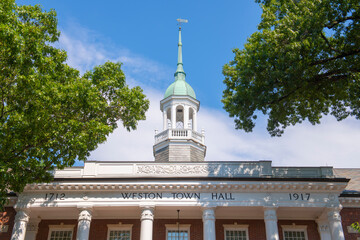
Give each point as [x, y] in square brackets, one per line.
[33, 225]
[85, 215]
[334, 214]
[147, 213]
[270, 214]
[22, 216]
[208, 214]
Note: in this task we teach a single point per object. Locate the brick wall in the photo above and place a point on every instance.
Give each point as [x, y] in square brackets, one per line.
[312, 228]
[99, 229]
[256, 228]
[43, 231]
[196, 228]
[349, 216]
[10, 212]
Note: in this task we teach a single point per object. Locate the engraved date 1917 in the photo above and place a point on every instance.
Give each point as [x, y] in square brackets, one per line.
[299, 196]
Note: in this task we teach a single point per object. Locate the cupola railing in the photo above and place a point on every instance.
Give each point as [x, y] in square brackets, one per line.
[179, 134]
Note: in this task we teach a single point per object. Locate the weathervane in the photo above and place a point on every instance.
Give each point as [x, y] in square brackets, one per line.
[181, 21]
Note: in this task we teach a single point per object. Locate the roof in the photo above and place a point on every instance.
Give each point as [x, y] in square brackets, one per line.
[180, 88]
[353, 174]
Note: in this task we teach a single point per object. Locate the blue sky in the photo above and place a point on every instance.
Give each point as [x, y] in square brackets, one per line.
[143, 35]
[148, 28]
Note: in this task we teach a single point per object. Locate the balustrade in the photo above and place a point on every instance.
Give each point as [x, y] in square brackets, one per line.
[179, 134]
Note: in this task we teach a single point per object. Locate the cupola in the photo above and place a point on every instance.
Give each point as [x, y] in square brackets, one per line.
[179, 140]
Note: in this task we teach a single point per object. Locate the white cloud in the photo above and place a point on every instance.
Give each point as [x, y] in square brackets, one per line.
[331, 143]
[82, 50]
[135, 145]
[86, 49]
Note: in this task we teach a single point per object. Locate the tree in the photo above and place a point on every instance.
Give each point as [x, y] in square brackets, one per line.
[356, 226]
[303, 63]
[51, 116]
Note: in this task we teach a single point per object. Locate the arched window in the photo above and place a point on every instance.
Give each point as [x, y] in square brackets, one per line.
[180, 117]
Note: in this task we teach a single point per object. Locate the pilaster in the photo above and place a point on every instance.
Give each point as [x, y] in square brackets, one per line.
[165, 120]
[21, 221]
[186, 117]
[32, 228]
[209, 223]
[324, 229]
[173, 116]
[84, 221]
[194, 121]
[335, 225]
[271, 225]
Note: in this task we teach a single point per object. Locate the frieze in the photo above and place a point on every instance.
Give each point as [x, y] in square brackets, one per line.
[175, 169]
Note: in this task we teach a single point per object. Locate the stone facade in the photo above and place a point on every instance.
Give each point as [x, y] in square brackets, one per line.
[210, 196]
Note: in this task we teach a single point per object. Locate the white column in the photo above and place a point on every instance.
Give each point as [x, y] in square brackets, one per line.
[147, 219]
[323, 228]
[271, 225]
[336, 229]
[186, 117]
[32, 229]
[173, 116]
[194, 121]
[21, 221]
[84, 221]
[209, 224]
[165, 119]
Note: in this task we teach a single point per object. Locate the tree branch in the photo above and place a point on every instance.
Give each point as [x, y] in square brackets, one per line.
[317, 80]
[327, 42]
[285, 96]
[336, 22]
[336, 57]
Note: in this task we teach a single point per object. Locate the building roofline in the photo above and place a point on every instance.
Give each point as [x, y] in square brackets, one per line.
[232, 179]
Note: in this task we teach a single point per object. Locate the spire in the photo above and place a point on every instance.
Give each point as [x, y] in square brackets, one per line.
[180, 63]
[180, 74]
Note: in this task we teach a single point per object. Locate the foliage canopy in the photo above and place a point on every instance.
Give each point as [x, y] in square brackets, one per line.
[51, 116]
[303, 63]
[356, 226]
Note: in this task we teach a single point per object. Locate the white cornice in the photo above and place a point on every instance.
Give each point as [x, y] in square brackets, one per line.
[165, 185]
[353, 202]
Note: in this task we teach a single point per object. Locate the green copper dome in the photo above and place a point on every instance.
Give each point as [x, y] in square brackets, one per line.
[180, 87]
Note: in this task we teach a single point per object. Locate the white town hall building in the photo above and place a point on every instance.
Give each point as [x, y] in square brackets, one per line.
[180, 196]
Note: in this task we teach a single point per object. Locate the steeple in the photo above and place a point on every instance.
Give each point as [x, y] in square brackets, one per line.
[180, 87]
[179, 140]
[180, 74]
